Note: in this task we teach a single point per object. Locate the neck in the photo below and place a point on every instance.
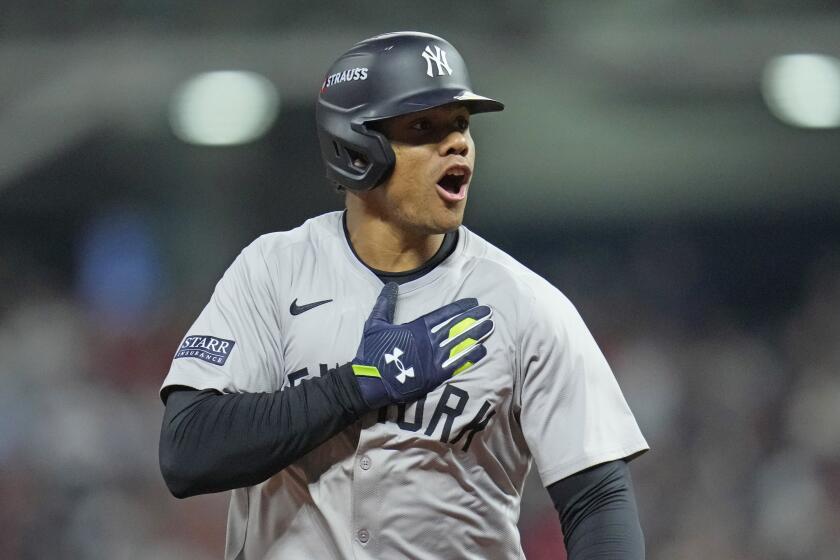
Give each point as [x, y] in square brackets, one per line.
[386, 246]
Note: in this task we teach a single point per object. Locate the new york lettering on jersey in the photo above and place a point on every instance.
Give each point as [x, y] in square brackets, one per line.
[445, 407]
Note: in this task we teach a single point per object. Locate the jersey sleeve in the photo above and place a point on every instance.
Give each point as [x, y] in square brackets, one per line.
[235, 344]
[572, 412]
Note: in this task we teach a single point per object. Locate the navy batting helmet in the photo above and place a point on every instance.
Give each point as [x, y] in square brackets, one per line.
[381, 77]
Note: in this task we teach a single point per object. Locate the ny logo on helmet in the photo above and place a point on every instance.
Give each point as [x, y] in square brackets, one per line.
[439, 58]
[395, 357]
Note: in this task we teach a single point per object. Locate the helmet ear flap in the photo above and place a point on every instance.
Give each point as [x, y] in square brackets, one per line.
[353, 159]
[379, 150]
[367, 165]
[357, 158]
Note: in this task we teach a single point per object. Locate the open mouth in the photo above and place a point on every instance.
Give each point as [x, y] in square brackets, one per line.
[453, 181]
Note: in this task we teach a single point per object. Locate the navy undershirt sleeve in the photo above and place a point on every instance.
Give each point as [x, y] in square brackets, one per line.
[598, 514]
[211, 442]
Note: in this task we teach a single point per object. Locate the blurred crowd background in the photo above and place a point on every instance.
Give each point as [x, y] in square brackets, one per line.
[672, 166]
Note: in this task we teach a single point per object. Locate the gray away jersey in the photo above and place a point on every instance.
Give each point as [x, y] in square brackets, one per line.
[440, 478]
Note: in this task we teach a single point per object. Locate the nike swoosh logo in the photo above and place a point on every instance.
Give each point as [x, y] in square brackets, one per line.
[296, 309]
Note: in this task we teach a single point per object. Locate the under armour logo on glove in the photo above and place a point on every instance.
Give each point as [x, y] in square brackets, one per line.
[437, 346]
[395, 358]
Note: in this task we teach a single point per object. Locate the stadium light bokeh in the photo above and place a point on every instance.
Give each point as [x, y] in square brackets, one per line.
[803, 90]
[223, 108]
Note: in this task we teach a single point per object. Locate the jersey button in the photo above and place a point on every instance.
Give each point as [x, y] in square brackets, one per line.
[364, 536]
[364, 462]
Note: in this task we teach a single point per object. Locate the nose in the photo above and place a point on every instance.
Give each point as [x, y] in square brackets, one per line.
[455, 143]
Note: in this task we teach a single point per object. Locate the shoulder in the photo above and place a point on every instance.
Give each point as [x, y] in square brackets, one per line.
[312, 234]
[282, 250]
[269, 258]
[522, 284]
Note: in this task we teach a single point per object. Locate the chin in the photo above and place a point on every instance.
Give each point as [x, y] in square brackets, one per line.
[433, 221]
[435, 227]
[450, 224]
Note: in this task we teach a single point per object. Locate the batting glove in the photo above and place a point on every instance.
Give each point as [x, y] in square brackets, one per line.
[401, 363]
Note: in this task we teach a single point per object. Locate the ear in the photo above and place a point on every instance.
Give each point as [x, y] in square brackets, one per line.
[360, 163]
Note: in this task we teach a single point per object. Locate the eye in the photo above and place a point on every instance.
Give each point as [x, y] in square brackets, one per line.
[421, 125]
[462, 122]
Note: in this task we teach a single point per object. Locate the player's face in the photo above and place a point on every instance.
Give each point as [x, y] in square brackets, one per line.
[435, 157]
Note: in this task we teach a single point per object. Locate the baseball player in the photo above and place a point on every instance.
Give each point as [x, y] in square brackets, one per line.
[375, 383]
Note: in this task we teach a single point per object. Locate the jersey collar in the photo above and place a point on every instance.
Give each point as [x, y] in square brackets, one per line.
[429, 277]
